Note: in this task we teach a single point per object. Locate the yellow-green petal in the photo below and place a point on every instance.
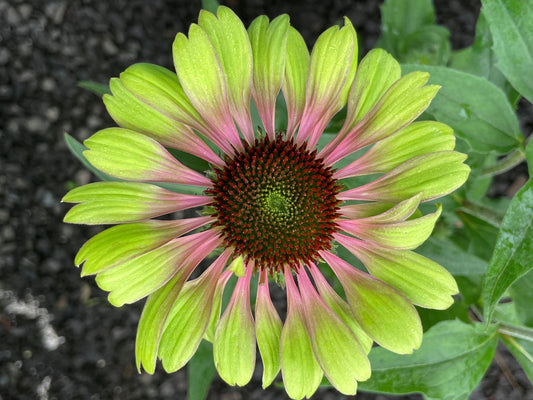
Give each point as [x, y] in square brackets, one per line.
[234, 344]
[405, 235]
[118, 202]
[331, 72]
[153, 318]
[269, 43]
[268, 330]
[377, 71]
[217, 305]
[230, 40]
[300, 370]
[204, 82]
[434, 174]
[421, 280]
[189, 317]
[382, 311]
[142, 275]
[341, 308]
[294, 82]
[338, 352]
[123, 242]
[129, 155]
[416, 139]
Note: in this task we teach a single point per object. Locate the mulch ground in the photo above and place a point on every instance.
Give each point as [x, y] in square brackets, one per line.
[59, 338]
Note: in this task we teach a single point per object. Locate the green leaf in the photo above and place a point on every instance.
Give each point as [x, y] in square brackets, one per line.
[482, 235]
[200, 372]
[410, 33]
[478, 110]
[193, 162]
[511, 25]
[458, 310]
[512, 256]
[479, 59]
[77, 149]
[461, 263]
[95, 87]
[449, 364]
[401, 18]
[210, 5]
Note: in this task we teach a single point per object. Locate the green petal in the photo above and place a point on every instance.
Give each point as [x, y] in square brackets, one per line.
[117, 202]
[231, 43]
[130, 155]
[400, 212]
[160, 89]
[217, 305]
[364, 210]
[124, 242]
[142, 275]
[189, 318]
[145, 88]
[204, 81]
[130, 112]
[399, 106]
[153, 318]
[332, 61]
[376, 73]
[421, 280]
[331, 72]
[341, 308]
[434, 174]
[296, 68]
[234, 345]
[414, 140]
[268, 330]
[300, 370]
[404, 235]
[337, 350]
[269, 43]
[383, 312]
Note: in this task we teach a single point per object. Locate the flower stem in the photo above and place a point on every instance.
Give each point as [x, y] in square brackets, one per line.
[505, 164]
[519, 332]
[520, 348]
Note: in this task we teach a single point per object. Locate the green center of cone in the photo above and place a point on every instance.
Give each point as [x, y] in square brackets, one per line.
[277, 204]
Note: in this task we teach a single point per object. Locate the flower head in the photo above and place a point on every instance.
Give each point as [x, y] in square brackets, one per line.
[278, 203]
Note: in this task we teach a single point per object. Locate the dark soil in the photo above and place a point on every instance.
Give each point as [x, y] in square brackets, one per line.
[59, 338]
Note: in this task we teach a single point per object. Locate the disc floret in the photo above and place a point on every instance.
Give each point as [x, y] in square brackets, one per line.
[276, 203]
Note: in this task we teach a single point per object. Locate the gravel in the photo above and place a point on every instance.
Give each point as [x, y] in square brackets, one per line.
[59, 338]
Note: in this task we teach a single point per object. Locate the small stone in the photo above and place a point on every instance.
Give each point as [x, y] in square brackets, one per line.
[35, 124]
[167, 389]
[82, 177]
[5, 55]
[12, 17]
[56, 11]
[52, 114]
[109, 47]
[25, 11]
[8, 233]
[85, 293]
[48, 84]
[4, 215]
[94, 121]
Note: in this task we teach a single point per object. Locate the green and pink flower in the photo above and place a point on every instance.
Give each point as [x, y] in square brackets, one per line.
[277, 204]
